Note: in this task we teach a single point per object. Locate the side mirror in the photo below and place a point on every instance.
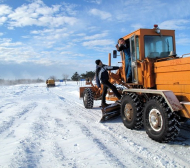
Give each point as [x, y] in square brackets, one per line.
[114, 53]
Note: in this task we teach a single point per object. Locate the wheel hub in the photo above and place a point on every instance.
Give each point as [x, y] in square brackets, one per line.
[128, 112]
[155, 120]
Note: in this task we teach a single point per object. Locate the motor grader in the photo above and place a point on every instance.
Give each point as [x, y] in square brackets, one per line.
[50, 82]
[158, 97]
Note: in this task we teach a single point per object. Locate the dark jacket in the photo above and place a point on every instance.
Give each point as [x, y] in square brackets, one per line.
[102, 73]
[126, 50]
[122, 47]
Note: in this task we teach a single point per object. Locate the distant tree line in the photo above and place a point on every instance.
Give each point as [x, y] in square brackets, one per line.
[76, 77]
[20, 81]
[88, 74]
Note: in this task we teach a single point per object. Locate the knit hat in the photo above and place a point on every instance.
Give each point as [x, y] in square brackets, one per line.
[97, 62]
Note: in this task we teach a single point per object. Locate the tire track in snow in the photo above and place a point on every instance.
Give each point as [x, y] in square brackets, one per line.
[88, 132]
[42, 140]
[8, 124]
[72, 103]
[57, 148]
[20, 90]
[92, 131]
[111, 157]
[27, 154]
[7, 106]
[133, 151]
[135, 148]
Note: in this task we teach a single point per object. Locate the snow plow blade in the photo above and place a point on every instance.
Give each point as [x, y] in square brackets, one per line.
[110, 111]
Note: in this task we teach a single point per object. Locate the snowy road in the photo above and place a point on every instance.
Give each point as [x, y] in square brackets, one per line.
[49, 127]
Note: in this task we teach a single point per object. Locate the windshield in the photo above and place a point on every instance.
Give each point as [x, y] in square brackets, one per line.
[158, 46]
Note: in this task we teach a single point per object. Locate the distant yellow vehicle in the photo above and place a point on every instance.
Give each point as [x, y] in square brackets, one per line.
[50, 82]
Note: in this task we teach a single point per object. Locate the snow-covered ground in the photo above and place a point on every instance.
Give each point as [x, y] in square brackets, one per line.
[49, 128]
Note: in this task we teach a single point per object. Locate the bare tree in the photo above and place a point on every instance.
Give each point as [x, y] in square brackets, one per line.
[52, 77]
[65, 77]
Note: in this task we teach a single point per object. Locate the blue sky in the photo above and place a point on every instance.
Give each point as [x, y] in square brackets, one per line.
[41, 38]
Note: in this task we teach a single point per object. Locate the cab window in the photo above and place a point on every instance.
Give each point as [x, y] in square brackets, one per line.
[158, 46]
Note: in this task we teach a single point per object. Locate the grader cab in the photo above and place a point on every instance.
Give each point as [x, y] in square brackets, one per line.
[158, 97]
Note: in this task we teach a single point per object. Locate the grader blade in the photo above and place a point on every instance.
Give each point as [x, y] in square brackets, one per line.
[110, 112]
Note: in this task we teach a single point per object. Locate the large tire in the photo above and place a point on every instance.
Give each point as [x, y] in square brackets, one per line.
[131, 111]
[88, 98]
[161, 124]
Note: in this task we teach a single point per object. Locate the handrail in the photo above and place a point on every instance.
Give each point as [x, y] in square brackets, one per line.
[185, 54]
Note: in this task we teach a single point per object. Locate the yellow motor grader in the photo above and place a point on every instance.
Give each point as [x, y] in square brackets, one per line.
[158, 97]
[50, 82]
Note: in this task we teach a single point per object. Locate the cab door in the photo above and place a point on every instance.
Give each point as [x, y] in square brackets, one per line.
[134, 52]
